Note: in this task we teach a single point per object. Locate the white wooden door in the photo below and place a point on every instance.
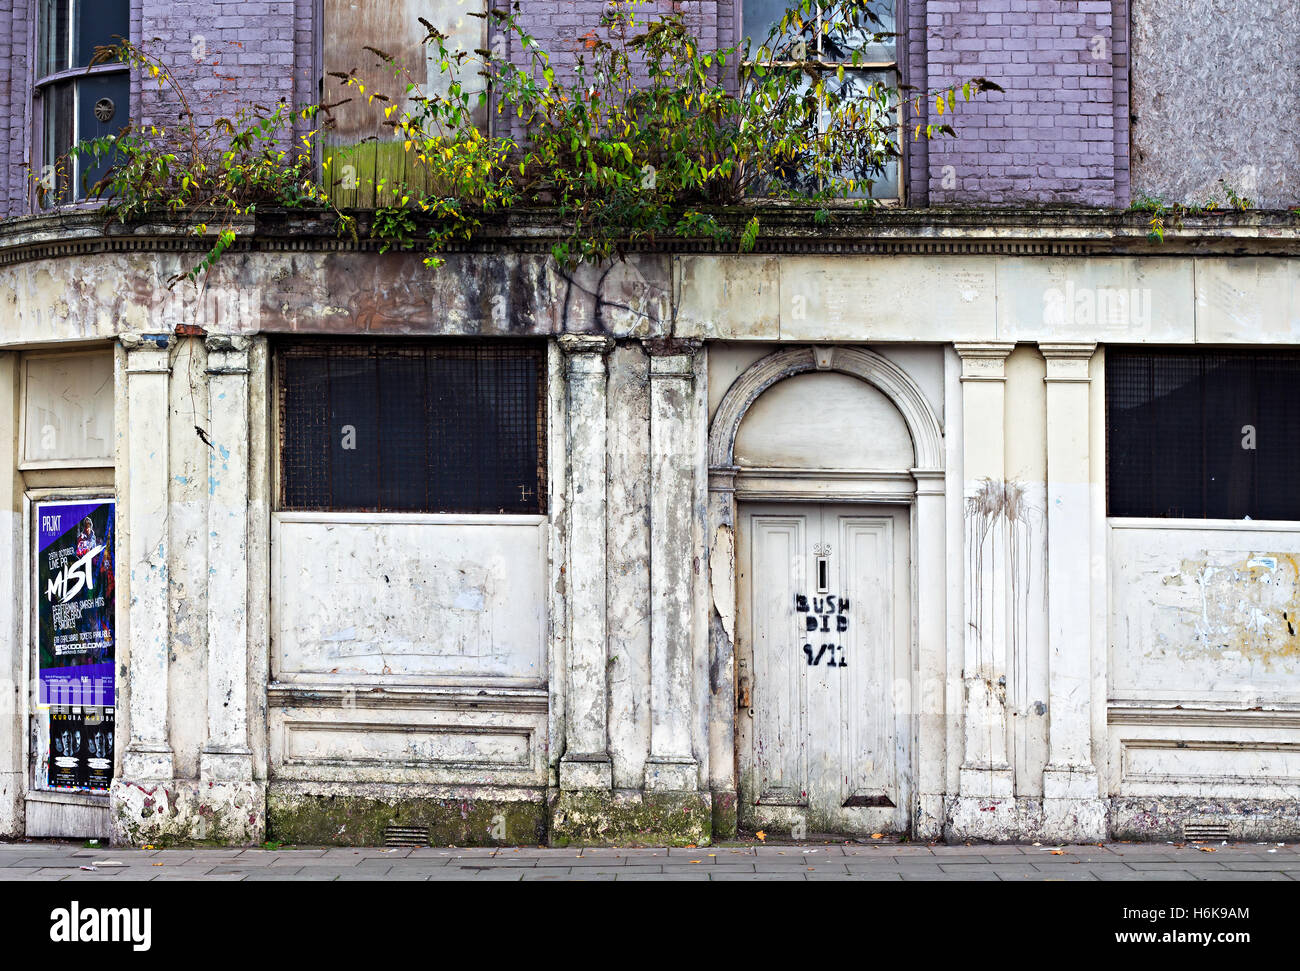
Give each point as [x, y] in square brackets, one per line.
[823, 648]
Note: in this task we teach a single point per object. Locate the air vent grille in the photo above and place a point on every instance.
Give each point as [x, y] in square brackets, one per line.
[406, 836]
[1206, 830]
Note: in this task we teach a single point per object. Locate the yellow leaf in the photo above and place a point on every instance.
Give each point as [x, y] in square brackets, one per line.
[760, 835]
[938, 103]
[877, 836]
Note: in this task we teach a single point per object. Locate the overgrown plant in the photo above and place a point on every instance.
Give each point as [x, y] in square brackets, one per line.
[1171, 213]
[213, 174]
[648, 135]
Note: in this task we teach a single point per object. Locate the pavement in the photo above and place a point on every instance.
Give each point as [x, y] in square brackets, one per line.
[47, 860]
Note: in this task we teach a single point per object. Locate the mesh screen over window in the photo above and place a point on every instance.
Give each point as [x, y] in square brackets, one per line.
[409, 426]
[1203, 434]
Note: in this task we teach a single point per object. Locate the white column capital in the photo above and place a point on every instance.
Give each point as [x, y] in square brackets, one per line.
[227, 353]
[1067, 362]
[984, 360]
[146, 353]
[930, 482]
[578, 346]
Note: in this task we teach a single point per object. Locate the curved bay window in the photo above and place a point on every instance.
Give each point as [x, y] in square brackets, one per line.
[75, 101]
[867, 57]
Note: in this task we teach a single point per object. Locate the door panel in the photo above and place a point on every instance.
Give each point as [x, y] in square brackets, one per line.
[824, 632]
[781, 755]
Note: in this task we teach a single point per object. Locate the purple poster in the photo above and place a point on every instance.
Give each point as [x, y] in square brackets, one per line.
[75, 585]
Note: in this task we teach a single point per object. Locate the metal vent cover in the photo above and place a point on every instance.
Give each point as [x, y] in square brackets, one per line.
[406, 836]
[1202, 829]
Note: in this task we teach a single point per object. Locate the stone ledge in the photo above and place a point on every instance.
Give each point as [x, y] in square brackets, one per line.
[786, 228]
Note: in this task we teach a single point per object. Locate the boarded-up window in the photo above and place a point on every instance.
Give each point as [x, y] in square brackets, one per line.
[1203, 434]
[413, 426]
[362, 150]
[68, 411]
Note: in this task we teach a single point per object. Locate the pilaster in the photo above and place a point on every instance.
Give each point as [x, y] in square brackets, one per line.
[1072, 807]
[586, 761]
[672, 765]
[985, 807]
[226, 756]
[148, 755]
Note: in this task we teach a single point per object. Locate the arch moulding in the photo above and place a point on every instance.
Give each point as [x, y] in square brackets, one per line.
[868, 366]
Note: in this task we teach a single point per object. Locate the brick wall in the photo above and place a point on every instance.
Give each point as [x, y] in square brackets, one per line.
[225, 52]
[13, 105]
[1050, 137]
[1058, 134]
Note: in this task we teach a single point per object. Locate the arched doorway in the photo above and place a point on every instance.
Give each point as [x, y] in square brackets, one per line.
[822, 462]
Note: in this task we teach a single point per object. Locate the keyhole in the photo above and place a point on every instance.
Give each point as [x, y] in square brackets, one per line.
[823, 575]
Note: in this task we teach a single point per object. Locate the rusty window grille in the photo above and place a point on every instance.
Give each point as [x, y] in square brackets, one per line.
[435, 426]
[1203, 434]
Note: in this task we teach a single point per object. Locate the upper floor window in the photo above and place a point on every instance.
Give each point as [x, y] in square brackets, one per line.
[1202, 434]
[76, 102]
[366, 156]
[875, 65]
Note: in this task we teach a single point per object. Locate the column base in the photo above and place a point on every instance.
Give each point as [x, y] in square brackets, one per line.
[163, 813]
[672, 775]
[986, 808]
[630, 818]
[1072, 810]
[12, 822]
[148, 763]
[991, 820]
[726, 822]
[927, 821]
[586, 772]
[986, 781]
[226, 766]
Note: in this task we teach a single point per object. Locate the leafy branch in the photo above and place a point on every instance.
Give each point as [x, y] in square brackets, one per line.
[646, 135]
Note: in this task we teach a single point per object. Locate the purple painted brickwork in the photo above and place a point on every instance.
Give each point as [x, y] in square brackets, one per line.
[13, 101]
[1051, 137]
[252, 51]
[227, 52]
[557, 25]
[1058, 134]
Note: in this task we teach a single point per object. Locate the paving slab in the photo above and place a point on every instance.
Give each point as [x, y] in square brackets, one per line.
[774, 862]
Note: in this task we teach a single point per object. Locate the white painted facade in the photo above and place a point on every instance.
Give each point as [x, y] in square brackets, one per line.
[1030, 667]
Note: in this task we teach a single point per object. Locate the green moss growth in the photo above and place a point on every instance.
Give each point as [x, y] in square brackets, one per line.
[598, 818]
[322, 820]
[725, 821]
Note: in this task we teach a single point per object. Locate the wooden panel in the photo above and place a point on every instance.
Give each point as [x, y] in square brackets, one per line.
[399, 597]
[68, 410]
[777, 571]
[361, 149]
